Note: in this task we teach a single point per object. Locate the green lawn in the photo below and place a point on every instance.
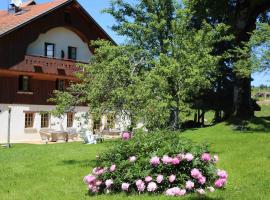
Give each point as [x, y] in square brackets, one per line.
[37, 172]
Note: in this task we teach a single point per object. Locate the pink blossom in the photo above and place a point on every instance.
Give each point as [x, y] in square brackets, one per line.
[175, 161]
[132, 159]
[148, 179]
[172, 178]
[152, 186]
[195, 173]
[189, 157]
[125, 186]
[206, 157]
[202, 180]
[220, 183]
[140, 185]
[126, 136]
[155, 161]
[108, 183]
[201, 191]
[166, 159]
[189, 185]
[222, 174]
[181, 156]
[92, 188]
[89, 179]
[211, 189]
[113, 168]
[98, 182]
[159, 178]
[175, 192]
[215, 158]
[98, 171]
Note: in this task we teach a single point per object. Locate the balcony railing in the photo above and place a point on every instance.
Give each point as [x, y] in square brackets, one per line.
[46, 65]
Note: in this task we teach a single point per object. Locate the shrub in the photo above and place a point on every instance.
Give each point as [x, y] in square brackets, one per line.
[159, 162]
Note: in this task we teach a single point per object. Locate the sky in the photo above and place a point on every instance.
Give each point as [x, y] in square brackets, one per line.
[94, 8]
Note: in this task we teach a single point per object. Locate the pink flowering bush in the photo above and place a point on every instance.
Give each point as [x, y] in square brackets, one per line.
[156, 163]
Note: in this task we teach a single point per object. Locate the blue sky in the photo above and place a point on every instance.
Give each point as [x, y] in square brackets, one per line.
[95, 6]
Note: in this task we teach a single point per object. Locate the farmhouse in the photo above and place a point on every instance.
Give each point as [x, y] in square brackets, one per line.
[40, 46]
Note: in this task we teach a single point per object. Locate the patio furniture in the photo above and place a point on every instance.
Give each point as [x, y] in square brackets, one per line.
[45, 136]
[87, 136]
[72, 134]
[59, 136]
[98, 136]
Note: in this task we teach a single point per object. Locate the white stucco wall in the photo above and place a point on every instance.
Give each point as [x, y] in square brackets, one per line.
[62, 38]
[20, 134]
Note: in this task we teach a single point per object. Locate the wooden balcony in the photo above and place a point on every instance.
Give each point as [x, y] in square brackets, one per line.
[47, 66]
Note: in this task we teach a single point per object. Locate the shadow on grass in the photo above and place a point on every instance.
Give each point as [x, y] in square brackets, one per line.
[255, 125]
[149, 196]
[81, 163]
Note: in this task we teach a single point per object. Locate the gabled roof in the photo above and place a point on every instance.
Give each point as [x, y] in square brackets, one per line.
[12, 21]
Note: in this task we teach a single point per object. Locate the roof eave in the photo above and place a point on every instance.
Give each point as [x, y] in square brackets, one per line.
[37, 17]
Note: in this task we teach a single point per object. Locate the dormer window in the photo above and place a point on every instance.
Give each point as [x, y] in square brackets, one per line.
[24, 84]
[72, 53]
[49, 50]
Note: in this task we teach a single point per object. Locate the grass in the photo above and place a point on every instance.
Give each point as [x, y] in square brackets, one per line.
[37, 172]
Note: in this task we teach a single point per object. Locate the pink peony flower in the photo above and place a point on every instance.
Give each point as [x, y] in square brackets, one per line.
[172, 178]
[206, 157]
[189, 185]
[108, 183]
[215, 158]
[175, 161]
[181, 156]
[89, 179]
[159, 178]
[125, 186]
[152, 186]
[93, 188]
[189, 157]
[166, 159]
[175, 192]
[201, 191]
[132, 159]
[220, 183]
[148, 179]
[140, 185]
[195, 173]
[113, 168]
[155, 161]
[222, 174]
[211, 189]
[98, 182]
[126, 136]
[202, 180]
[98, 171]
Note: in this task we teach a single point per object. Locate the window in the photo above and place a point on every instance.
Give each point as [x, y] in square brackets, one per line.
[111, 121]
[45, 118]
[60, 84]
[49, 50]
[29, 120]
[24, 83]
[96, 123]
[70, 118]
[72, 53]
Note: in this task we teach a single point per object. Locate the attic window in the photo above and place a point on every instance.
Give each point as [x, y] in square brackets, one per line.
[67, 18]
[61, 72]
[38, 69]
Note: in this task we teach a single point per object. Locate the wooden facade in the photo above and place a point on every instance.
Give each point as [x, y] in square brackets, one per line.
[43, 72]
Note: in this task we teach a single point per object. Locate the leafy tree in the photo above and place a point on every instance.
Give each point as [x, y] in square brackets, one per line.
[148, 79]
[241, 16]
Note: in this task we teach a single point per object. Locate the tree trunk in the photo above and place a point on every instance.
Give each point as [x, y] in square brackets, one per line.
[243, 108]
[174, 119]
